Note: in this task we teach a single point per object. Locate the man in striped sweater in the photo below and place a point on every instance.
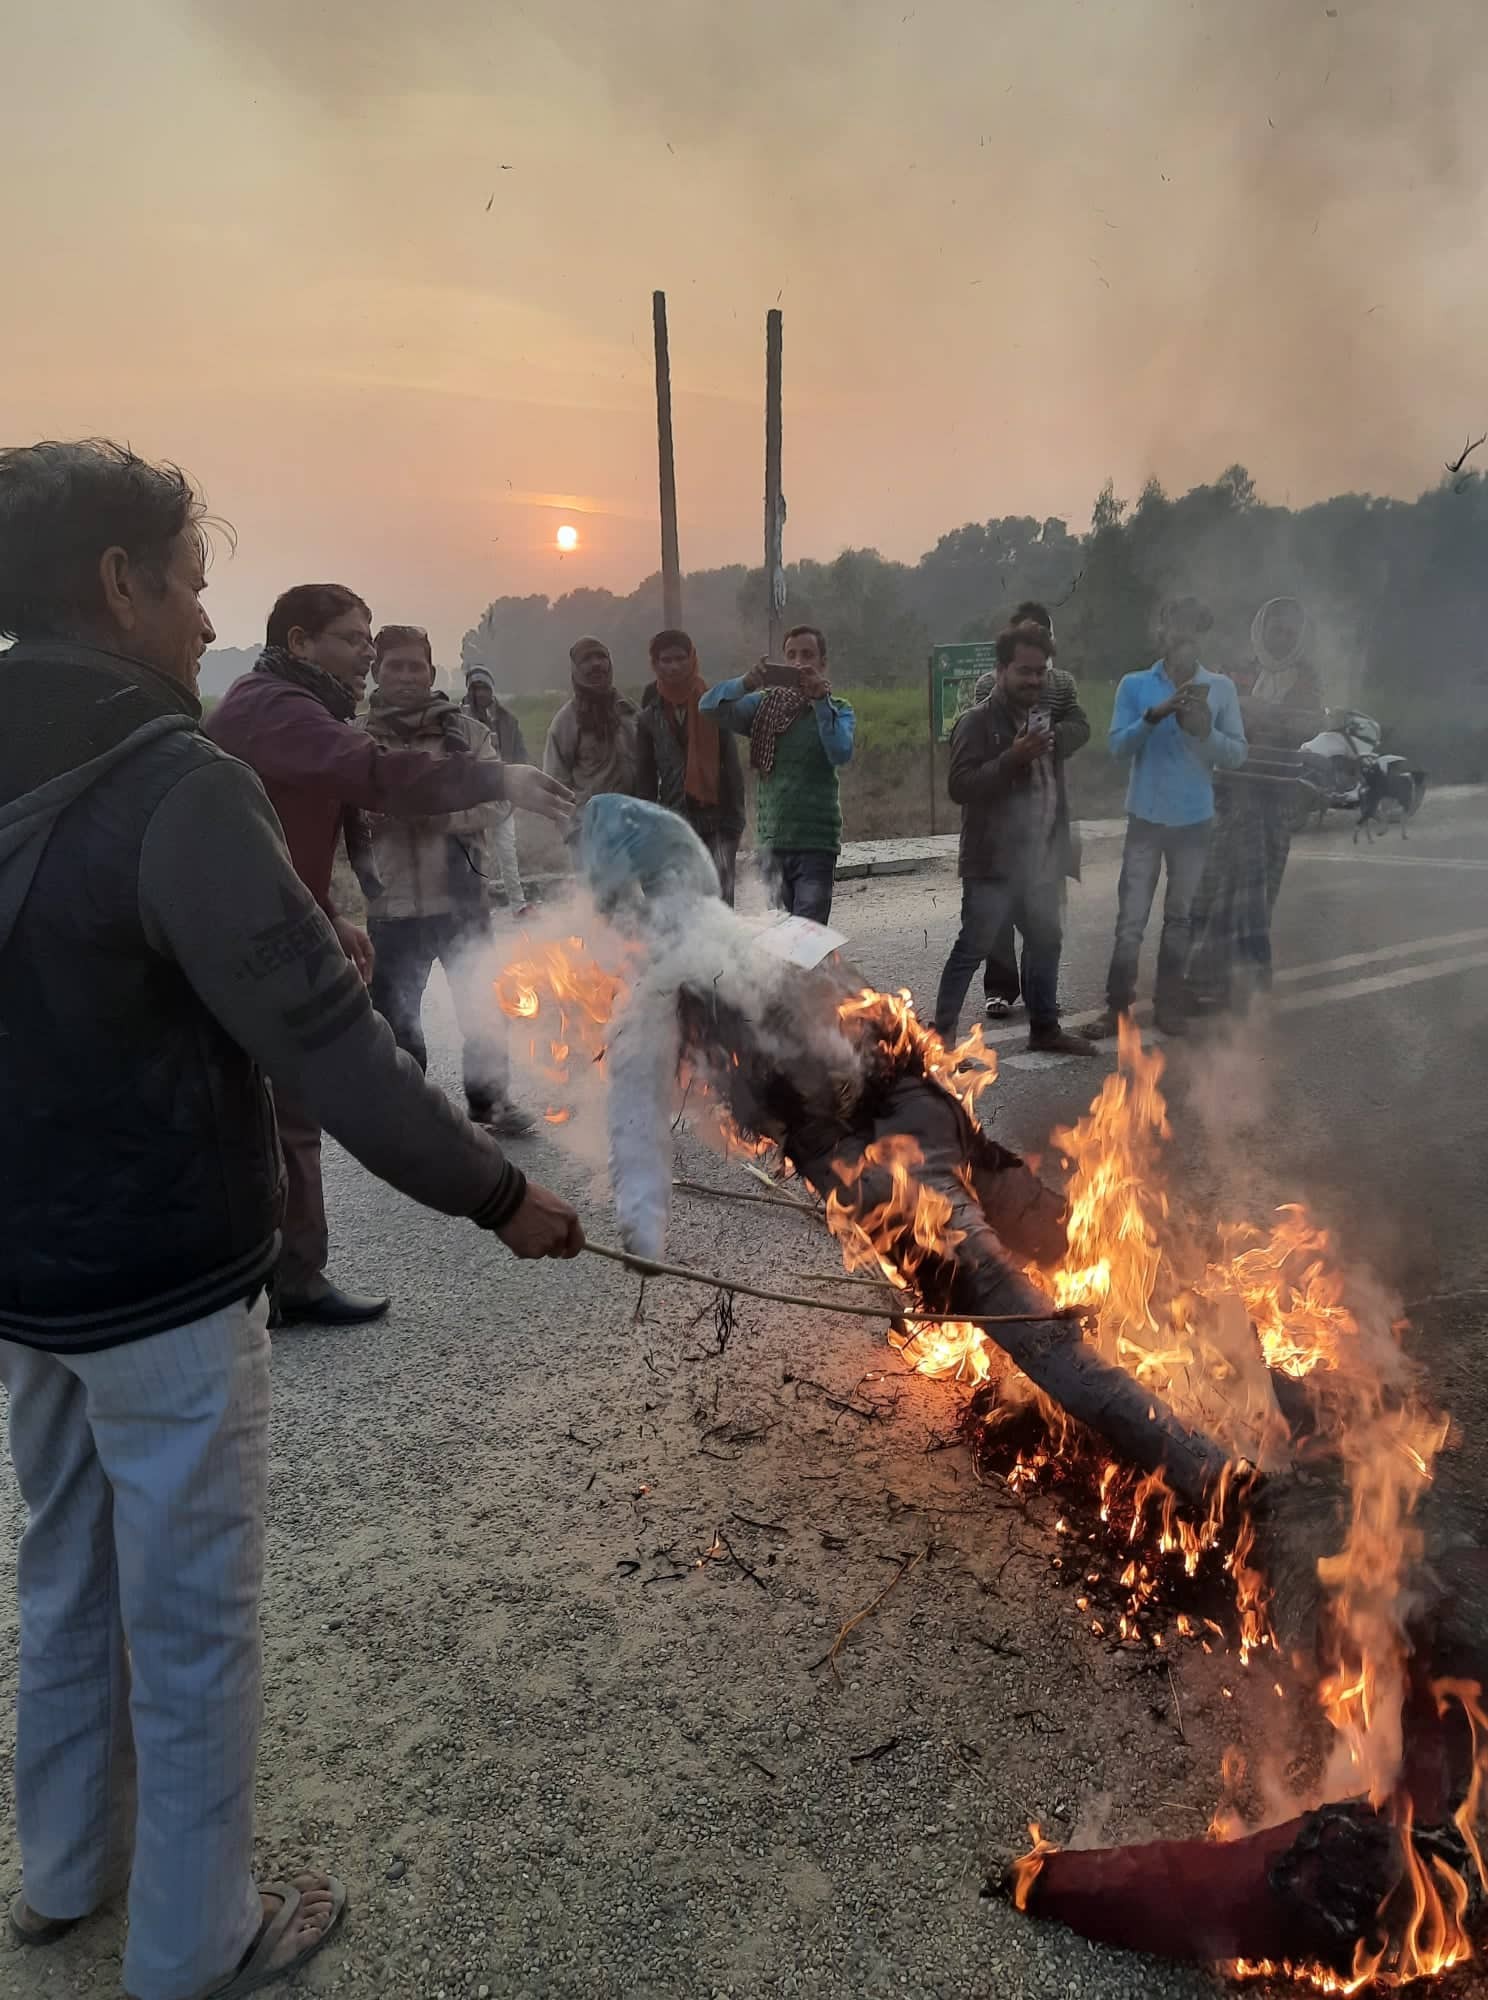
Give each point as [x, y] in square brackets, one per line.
[1003, 981]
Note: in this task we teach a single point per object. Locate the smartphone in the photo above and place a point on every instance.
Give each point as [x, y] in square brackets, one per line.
[1040, 722]
[781, 674]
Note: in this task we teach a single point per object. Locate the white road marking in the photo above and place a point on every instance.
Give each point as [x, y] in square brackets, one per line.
[1314, 996]
[1385, 982]
[1289, 974]
[1393, 860]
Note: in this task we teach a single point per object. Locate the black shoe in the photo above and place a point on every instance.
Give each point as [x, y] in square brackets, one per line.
[505, 1121]
[1055, 1042]
[328, 1308]
[1105, 1027]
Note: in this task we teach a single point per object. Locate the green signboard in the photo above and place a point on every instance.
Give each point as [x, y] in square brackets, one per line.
[954, 673]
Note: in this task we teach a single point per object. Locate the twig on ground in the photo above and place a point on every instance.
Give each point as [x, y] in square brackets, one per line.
[764, 1770]
[870, 1413]
[724, 1319]
[1012, 1556]
[738, 1194]
[850, 1625]
[766, 1527]
[1177, 1704]
[722, 1550]
[768, 1180]
[649, 1268]
[872, 1756]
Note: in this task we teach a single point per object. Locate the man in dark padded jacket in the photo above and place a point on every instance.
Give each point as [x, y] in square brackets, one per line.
[158, 955]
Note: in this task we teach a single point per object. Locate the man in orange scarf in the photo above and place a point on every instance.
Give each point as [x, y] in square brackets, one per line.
[684, 761]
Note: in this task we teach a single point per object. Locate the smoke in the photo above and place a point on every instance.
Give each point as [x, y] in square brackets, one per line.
[622, 1104]
[1182, 234]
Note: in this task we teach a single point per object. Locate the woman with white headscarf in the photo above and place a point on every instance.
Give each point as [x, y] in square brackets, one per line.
[1254, 809]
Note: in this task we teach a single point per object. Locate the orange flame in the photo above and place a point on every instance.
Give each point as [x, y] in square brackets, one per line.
[1028, 1867]
[567, 984]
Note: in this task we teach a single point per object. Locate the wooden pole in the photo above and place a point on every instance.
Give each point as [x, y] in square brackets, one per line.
[774, 499]
[671, 567]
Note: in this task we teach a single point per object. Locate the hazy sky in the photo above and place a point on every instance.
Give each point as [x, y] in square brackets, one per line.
[380, 275]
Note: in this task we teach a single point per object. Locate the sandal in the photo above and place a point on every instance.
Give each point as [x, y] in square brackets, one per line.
[257, 1968]
[27, 1927]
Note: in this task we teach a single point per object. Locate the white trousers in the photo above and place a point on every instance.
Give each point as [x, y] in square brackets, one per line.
[504, 839]
[144, 1469]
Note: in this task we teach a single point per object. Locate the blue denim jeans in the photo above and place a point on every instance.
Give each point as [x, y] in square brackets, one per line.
[145, 1471]
[800, 883]
[1150, 849]
[988, 903]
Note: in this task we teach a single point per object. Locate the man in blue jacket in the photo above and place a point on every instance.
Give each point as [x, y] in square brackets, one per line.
[1178, 724]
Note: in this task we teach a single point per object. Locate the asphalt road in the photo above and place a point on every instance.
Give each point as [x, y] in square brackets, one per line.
[553, 1569]
[1365, 1086]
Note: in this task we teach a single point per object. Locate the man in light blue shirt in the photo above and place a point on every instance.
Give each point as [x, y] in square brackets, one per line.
[1178, 724]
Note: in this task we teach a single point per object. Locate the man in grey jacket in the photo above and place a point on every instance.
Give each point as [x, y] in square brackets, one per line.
[158, 956]
[1003, 980]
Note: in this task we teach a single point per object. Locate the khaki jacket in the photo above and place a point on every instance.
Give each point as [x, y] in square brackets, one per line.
[439, 866]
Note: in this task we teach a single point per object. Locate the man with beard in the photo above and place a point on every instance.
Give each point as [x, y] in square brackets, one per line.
[291, 720]
[1007, 776]
[1003, 983]
[483, 702]
[591, 744]
[686, 763]
[158, 954]
[430, 880]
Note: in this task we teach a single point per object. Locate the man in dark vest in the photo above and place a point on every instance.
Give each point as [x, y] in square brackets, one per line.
[159, 955]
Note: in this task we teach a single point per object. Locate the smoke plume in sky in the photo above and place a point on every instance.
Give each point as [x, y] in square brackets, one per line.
[381, 276]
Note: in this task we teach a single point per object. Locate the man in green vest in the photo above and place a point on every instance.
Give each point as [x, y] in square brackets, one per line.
[799, 738]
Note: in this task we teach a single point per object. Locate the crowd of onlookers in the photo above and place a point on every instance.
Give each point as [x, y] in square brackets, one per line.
[1209, 815]
[169, 942]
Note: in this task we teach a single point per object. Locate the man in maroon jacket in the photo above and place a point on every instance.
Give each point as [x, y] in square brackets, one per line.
[290, 719]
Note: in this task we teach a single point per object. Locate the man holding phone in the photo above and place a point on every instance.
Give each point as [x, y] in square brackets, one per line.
[1178, 724]
[799, 738]
[1007, 776]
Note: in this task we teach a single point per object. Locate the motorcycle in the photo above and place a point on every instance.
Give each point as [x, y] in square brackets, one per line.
[1344, 770]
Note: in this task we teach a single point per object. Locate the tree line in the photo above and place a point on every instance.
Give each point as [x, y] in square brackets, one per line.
[1397, 592]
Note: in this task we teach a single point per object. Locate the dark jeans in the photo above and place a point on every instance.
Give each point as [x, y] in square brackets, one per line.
[724, 848]
[304, 1241]
[800, 882]
[1149, 850]
[1003, 981]
[406, 949]
[1035, 905]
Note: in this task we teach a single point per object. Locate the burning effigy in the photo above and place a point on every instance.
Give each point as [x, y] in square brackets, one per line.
[1217, 1407]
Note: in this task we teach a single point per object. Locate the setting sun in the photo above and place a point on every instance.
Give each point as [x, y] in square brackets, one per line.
[567, 538]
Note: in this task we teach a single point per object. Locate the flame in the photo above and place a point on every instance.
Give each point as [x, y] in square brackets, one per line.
[965, 1071]
[1028, 1867]
[563, 988]
[1205, 1339]
[1205, 1332]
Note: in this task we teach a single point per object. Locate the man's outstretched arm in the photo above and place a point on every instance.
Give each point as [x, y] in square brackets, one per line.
[219, 895]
